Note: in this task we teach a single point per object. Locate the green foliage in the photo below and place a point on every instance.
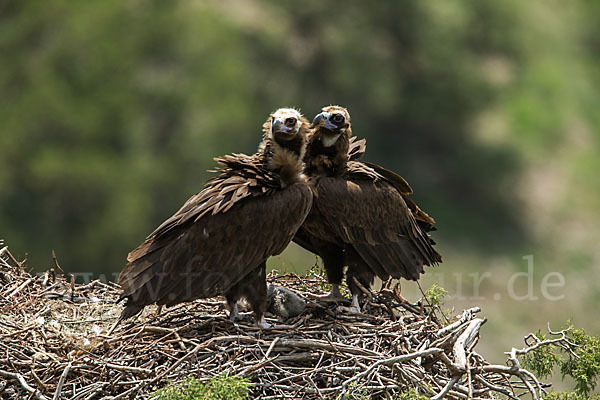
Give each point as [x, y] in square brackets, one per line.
[582, 362]
[435, 295]
[584, 368]
[220, 387]
[543, 359]
[108, 113]
[317, 271]
[355, 392]
[570, 396]
[412, 395]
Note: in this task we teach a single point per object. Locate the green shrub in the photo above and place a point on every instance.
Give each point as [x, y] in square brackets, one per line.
[412, 395]
[435, 295]
[585, 367]
[569, 396]
[542, 360]
[580, 362]
[220, 387]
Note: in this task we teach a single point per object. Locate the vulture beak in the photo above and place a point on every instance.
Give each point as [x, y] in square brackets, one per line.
[279, 126]
[322, 119]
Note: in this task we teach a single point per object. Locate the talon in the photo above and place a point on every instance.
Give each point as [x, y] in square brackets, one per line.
[282, 326]
[328, 297]
[350, 310]
[354, 308]
[334, 295]
[262, 324]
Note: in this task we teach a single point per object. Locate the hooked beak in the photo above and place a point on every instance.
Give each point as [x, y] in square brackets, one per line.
[279, 126]
[323, 120]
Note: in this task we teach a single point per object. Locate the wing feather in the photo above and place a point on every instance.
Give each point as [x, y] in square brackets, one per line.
[237, 221]
[369, 212]
[206, 257]
[356, 148]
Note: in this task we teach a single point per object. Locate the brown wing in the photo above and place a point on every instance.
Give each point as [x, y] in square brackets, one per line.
[370, 213]
[357, 148]
[242, 176]
[206, 255]
[423, 219]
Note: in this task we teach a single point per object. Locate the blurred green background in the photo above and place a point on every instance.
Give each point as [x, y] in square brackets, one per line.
[111, 112]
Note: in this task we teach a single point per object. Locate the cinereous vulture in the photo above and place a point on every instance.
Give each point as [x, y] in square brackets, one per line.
[362, 216]
[219, 241]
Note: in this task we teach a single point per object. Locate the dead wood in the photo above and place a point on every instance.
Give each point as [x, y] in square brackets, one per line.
[54, 345]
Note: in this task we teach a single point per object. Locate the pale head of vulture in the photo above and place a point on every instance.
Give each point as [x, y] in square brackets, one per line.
[285, 124]
[331, 123]
[284, 144]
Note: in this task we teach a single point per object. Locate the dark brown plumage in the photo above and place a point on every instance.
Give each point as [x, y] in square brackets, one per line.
[362, 216]
[219, 241]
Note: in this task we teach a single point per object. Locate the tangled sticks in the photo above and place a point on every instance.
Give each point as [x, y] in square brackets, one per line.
[54, 345]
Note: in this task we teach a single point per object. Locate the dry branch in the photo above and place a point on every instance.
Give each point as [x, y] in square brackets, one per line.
[54, 344]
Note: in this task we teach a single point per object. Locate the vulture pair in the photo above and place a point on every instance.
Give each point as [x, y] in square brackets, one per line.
[302, 184]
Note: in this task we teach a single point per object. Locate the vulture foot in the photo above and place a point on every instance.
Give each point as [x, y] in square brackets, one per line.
[335, 295]
[263, 324]
[354, 308]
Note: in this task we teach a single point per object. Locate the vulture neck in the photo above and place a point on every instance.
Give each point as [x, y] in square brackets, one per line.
[328, 161]
[285, 157]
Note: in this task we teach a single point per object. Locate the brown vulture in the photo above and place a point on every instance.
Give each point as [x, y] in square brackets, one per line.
[220, 239]
[362, 216]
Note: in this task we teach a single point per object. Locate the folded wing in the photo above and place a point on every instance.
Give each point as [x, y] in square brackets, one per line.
[214, 241]
[368, 211]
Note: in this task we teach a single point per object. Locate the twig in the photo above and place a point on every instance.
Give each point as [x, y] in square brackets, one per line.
[459, 350]
[61, 382]
[273, 343]
[56, 264]
[390, 362]
[19, 288]
[36, 393]
[446, 388]
[54, 330]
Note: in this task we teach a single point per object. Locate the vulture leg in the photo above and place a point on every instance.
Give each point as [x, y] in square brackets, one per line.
[333, 260]
[354, 308]
[234, 312]
[254, 289]
[359, 278]
[232, 297]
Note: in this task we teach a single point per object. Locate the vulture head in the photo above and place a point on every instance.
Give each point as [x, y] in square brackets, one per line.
[331, 123]
[284, 144]
[284, 124]
[286, 129]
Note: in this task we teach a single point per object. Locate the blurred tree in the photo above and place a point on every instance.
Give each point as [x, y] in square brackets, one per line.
[112, 111]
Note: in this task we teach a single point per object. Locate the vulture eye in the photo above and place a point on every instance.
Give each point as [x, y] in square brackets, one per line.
[290, 122]
[337, 118]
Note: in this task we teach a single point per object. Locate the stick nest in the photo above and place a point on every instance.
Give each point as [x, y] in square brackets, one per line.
[54, 345]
